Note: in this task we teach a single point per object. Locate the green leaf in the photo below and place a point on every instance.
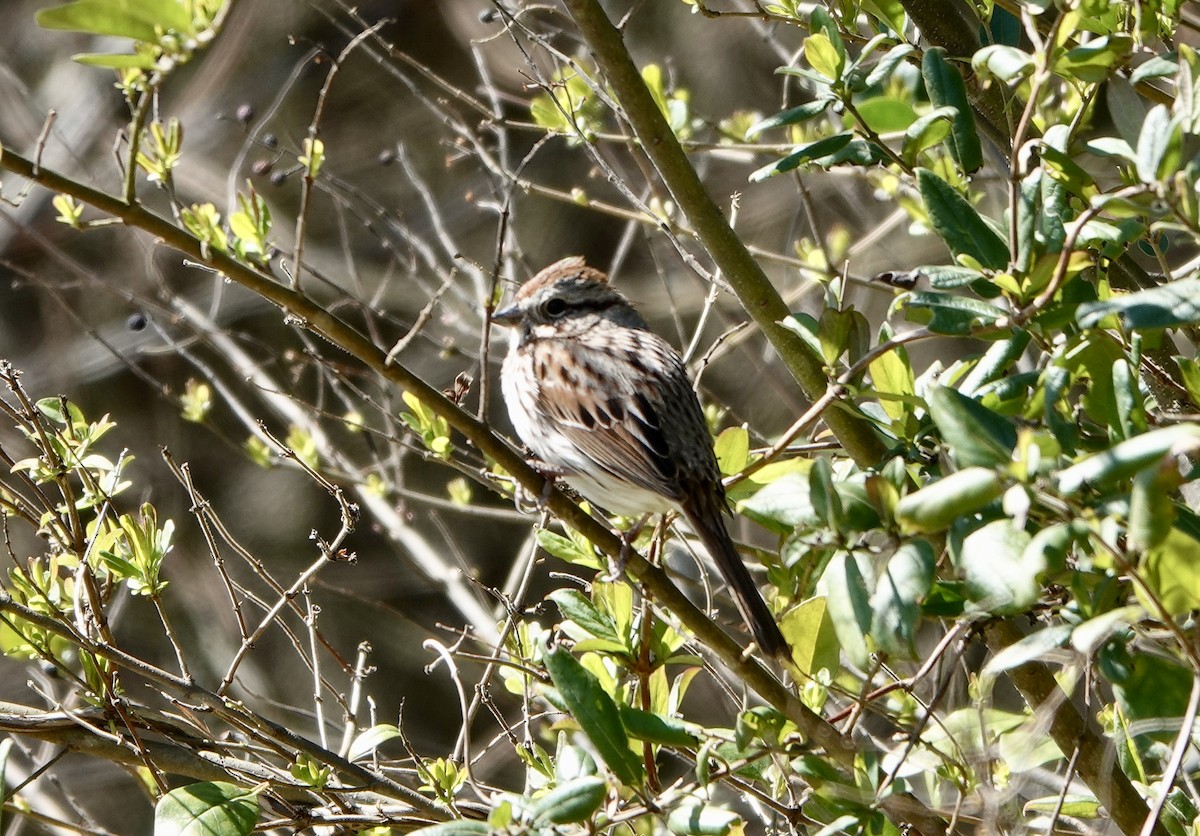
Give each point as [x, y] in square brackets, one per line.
[571, 802]
[849, 606]
[1172, 570]
[1074, 806]
[654, 728]
[116, 62]
[887, 65]
[596, 714]
[784, 501]
[1092, 62]
[993, 562]
[1006, 63]
[792, 116]
[567, 549]
[1160, 66]
[805, 153]
[371, 739]
[890, 13]
[892, 374]
[946, 277]
[733, 450]
[136, 19]
[696, 819]
[1102, 470]
[823, 56]
[884, 114]
[938, 504]
[1031, 648]
[577, 607]
[1169, 305]
[946, 88]
[996, 362]
[927, 131]
[958, 224]
[809, 631]
[823, 495]
[946, 313]
[974, 434]
[1156, 689]
[207, 808]
[896, 602]
[1160, 146]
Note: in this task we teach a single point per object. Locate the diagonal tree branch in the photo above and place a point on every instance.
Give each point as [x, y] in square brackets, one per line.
[754, 290]
[841, 748]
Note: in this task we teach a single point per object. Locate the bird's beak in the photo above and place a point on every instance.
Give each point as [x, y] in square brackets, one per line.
[508, 317]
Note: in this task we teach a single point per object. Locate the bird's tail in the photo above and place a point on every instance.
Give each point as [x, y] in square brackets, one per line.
[715, 537]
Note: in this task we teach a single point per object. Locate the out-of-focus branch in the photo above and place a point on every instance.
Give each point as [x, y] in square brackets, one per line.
[754, 290]
[1097, 764]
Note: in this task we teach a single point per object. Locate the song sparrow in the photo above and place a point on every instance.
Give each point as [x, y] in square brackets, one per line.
[606, 403]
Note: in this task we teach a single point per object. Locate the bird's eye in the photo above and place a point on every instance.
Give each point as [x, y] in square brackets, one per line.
[555, 308]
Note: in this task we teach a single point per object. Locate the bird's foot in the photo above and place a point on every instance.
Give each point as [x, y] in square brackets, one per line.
[525, 499]
[616, 565]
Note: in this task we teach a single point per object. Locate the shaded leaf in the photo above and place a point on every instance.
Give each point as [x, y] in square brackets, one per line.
[206, 808]
[596, 714]
[958, 224]
[946, 88]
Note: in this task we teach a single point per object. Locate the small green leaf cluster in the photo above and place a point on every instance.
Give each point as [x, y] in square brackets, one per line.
[165, 33]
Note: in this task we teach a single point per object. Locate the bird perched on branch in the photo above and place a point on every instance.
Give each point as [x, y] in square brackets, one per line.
[607, 404]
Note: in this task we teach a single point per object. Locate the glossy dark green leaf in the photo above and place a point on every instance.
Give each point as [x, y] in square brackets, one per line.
[1102, 470]
[206, 808]
[803, 154]
[1158, 688]
[577, 607]
[1151, 508]
[946, 88]
[654, 728]
[1000, 358]
[1169, 305]
[570, 802]
[947, 313]
[927, 131]
[958, 224]
[792, 116]
[1057, 380]
[1055, 213]
[974, 434]
[947, 277]
[886, 65]
[596, 713]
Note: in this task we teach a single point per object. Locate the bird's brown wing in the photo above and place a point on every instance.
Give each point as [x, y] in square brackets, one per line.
[606, 406]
